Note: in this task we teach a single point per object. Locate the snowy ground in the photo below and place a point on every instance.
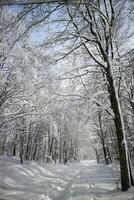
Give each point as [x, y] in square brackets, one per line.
[81, 181]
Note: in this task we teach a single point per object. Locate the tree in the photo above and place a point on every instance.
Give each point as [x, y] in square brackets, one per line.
[95, 26]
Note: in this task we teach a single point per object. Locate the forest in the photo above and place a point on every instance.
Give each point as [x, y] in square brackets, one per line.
[67, 83]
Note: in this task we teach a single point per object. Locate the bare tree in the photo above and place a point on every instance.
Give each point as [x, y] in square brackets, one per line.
[96, 25]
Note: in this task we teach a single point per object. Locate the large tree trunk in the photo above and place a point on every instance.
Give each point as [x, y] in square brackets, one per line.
[119, 125]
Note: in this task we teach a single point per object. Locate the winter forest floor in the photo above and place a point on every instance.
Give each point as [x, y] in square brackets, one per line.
[39, 181]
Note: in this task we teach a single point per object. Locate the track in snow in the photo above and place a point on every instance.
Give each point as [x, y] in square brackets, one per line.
[82, 181]
[90, 183]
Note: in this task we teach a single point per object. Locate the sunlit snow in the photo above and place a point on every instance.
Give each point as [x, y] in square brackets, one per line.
[39, 181]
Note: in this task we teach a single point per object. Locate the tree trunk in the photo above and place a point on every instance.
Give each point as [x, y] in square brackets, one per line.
[97, 155]
[131, 171]
[102, 138]
[14, 150]
[105, 153]
[119, 125]
[60, 149]
[21, 153]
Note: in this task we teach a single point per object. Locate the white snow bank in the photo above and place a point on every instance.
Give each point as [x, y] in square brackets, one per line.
[40, 181]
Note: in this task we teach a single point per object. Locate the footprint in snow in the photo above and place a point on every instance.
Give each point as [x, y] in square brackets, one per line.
[92, 185]
[43, 197]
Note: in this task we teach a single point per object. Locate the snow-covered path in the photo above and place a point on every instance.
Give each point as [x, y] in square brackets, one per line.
[81, 181]
[88, 183]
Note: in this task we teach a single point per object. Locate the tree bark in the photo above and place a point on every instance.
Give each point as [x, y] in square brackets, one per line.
[120, 132]
[105, 153]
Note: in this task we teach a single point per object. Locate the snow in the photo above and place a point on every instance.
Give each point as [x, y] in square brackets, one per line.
[76, 181]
